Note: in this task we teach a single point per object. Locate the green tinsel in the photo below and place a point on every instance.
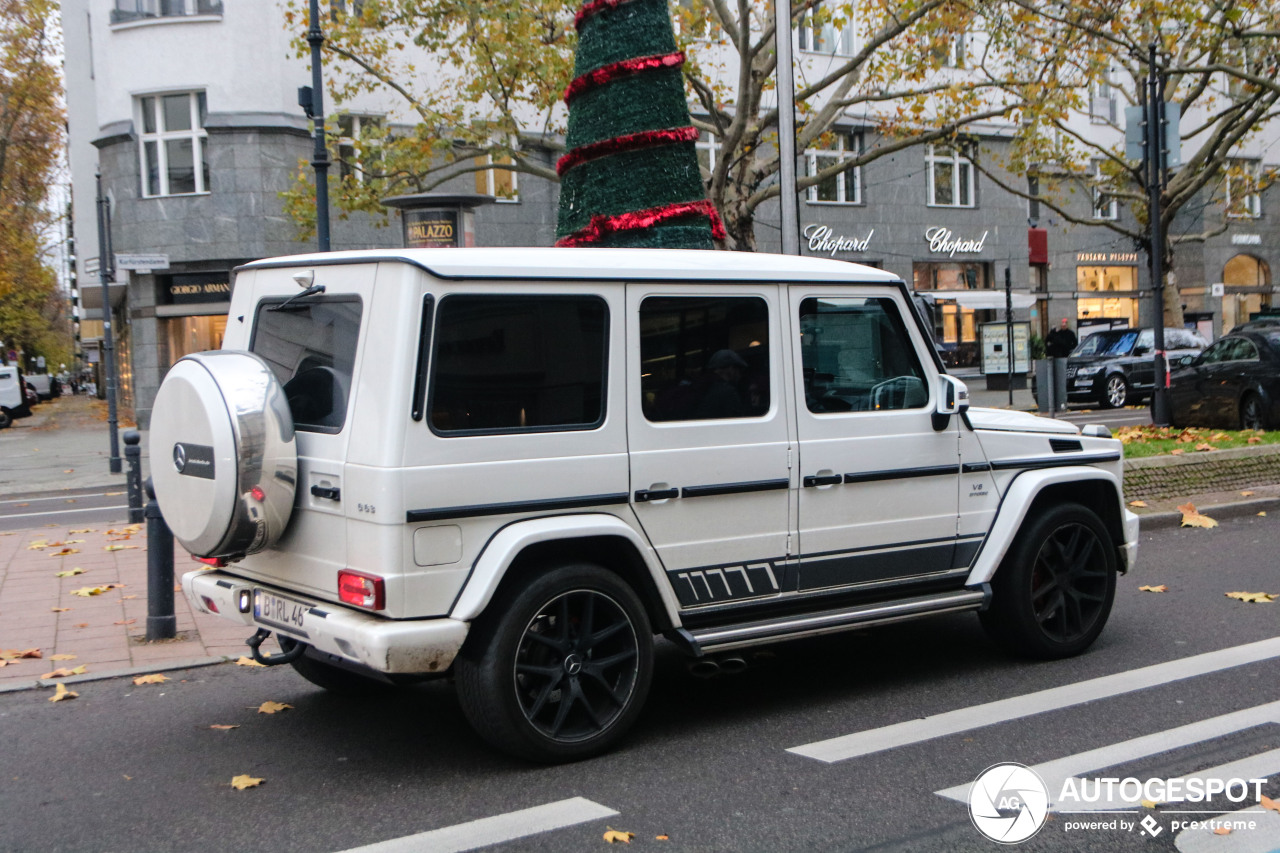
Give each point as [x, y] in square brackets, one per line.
[638, 28]
[628, 181]
[653, 100]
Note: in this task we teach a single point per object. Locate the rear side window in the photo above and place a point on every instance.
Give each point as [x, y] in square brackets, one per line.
[504, 364]
[704, 358]
[311, 347]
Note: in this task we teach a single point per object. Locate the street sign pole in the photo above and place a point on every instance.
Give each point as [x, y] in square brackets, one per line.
[786, 130]
[1155, 173]
[320, 156]
[115, 464]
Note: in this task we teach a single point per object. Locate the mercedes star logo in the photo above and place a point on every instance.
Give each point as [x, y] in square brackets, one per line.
[179, 457]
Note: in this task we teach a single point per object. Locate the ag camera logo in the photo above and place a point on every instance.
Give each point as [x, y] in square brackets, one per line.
[1008, 803]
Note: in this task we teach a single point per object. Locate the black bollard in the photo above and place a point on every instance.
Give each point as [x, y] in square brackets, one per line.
[133, 474]
[162, 624]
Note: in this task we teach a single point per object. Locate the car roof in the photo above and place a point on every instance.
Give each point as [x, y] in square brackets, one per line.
[603, 264]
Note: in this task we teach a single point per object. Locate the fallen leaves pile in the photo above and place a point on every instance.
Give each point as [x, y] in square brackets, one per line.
[1191, 517]
[1204, 439]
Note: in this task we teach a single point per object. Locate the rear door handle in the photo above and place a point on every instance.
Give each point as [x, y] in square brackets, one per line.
[330, 492]
[823, 480]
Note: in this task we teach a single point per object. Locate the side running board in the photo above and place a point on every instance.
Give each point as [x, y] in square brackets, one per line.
[830, 621]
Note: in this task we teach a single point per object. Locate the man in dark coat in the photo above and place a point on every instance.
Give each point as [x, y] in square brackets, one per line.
[1061, 341]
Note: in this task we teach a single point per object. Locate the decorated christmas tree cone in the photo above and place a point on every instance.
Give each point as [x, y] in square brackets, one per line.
[630, 177]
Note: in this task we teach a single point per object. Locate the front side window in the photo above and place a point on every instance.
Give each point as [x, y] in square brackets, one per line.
[172, 143]
[311, 348]
[704, 358]
[504, 364]
[844, 187]
[858, 357]
[950, 177]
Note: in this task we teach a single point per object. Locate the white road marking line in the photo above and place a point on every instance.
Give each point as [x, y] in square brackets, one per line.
[978, 716]
[1261, 839]
[57, 498]
[64, 511]
[1056, 773]
[494, 830]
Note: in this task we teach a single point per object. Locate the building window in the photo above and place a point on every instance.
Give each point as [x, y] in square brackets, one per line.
[1105, 205]
[339, 9]
[1102, 100]
[139, 10]
[497, 182]
[949, 50]
[1243, 199]
[354, 157]
[693, 19]
[707, 147]
[844, 187]
[950, 177]
[171, 145]
[823, 32]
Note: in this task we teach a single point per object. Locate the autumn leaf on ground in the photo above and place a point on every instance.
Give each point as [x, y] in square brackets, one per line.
[661, 838]
[1253, 597]
[246, 661]
[127, 597]
[112, 494]
[613, 836]
[60, 609]
[62, 657]
[1246, 494]
[125, 622]
[118, 538]
[1263, 514]
[82, 624]
[1137, 503]
[1253, 439]
[15, 654]
[38, 545]
[65, 552]
[82, 530]
[222, 727]
[86, 591]
[69, 470]
[1204, 446]
[1219, 436]
[1191, 517]
[1176, 452]
[118, 547]
[244, 780]
[69, 573]
[156, 678]
[63, 672]
[1160, 588]
[273, 707]
[63, 693]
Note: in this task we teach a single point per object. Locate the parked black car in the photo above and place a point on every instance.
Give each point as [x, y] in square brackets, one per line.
[1234, 384]
[1116, 367]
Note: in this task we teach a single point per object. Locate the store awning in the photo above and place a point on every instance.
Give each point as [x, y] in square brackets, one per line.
[984, 299]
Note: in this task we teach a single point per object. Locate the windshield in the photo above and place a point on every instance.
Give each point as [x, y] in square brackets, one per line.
[1116, 342]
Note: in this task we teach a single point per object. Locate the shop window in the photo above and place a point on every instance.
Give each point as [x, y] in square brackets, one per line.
[194, 334]
[1116, 302]
[704, 358]
[844, 187]
[949, 173]
[171, 145]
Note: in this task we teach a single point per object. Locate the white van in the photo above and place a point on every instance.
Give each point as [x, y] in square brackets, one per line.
[13, 401]
[517, 466]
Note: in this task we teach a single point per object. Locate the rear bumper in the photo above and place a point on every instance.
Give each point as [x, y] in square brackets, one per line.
[386, 645]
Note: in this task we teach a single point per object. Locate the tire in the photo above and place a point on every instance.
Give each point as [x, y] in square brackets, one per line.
[1054, 589]
[537, 680]
[1253, 414]
[1115, 392]
[339, 680]
[6, 420]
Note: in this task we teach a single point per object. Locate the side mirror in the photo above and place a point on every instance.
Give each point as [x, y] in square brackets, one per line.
[1187, 361]
[953, 399]
[1142, 351]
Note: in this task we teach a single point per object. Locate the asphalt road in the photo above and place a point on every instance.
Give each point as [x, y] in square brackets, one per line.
[69, 507]
[137, 768]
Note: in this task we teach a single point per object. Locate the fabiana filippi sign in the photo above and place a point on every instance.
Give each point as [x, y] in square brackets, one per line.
[942, 241]
[821, 239]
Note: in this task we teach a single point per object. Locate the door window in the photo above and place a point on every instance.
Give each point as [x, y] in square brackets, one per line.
[857, 356]
[704, 358]
[311, 348]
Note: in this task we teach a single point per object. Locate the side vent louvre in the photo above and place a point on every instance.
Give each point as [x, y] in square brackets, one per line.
[1065, 445]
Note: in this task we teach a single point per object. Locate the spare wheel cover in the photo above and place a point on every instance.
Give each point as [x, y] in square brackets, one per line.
[223, 456]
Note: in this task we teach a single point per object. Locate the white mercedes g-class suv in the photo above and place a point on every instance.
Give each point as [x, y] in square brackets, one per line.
[518, 466]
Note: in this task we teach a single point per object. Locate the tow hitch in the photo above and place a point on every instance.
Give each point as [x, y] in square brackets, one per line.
[290, 649]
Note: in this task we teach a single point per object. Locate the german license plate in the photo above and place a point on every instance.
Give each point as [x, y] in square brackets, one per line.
[279, 611]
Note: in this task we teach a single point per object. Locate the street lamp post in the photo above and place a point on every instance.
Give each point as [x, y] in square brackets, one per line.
[314, 107]
[106, 268]
[1155, 173]
[786, 130]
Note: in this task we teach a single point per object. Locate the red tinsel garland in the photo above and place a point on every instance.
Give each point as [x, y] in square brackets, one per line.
[590, 8]
[630, 142]
[603, 225]
[608, 73]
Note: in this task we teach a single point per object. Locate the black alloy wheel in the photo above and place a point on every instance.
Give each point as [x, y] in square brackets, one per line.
[1252, 413]
[1053, 592]
[558, 667]
[1115, 391]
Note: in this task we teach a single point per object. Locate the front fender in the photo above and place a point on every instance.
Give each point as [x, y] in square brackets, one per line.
[492, 564]
[1017, 501]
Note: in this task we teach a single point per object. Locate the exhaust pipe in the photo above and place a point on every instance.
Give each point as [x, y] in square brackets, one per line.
[732, 665]
[711, 667]
[704, 668]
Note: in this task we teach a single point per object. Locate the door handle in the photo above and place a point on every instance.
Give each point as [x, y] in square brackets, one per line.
[328, 492]
[823, 480]
[644, 495]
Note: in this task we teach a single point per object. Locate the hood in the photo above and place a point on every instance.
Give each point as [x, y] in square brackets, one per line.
[1011, 421]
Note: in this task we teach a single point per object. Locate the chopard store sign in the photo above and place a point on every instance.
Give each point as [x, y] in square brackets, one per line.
[821, 239]
[942, 241]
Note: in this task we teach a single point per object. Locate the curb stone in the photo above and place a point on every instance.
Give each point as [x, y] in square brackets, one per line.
[147, 669]
[1236, 509]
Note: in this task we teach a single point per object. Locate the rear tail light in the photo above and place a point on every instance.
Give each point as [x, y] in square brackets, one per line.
[208, 603]
[362, 590]
[216, 562]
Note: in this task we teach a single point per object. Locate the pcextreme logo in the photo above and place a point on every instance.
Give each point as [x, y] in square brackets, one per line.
[1008, 803]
